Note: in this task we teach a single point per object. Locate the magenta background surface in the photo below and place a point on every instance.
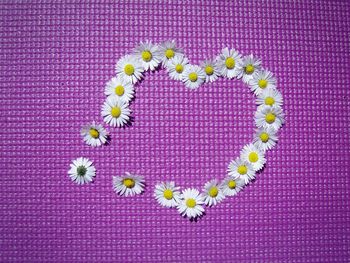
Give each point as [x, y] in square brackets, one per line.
[55, 60]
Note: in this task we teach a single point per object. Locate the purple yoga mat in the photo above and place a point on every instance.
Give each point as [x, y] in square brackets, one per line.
[55, 59]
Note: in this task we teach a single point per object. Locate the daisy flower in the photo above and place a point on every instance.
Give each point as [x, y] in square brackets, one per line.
[193, 76]
[176, 66]
[168, 50]
[229, 63]
[267, 116]
[120, 88]
[212, 193]
[149, 55]
[115, 112]
[254, 156]
[82, 171]
[231, 187]
[270, 97]
[265, 139]
[128, 184]
[94, 134]
[241, 169]
[210, 69]
[129, 68]
[250, 65]
[167, 194]
[191, 203]
[262, 80]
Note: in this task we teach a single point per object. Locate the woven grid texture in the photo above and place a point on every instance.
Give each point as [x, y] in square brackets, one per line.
[55, 60]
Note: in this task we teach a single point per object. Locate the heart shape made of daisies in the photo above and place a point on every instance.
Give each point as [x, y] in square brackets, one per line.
[130, 69]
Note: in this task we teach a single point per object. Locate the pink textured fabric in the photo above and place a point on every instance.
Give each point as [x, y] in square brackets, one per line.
[55, 60]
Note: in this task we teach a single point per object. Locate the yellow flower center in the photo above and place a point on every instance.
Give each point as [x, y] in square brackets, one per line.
[249, 69]
[209, 70]
[115, 112]
[269, 101]
[191, 203]
[262, 83]
[242, 169]
[193, 76]
[119, 90]
[146, 55]
[253, 157]
[231, 184]
[264, 137]
[168, 194]
[213, 192]
[169, 53]
[179, 68]
[270, 117]
[129, 183]
[230, 63]
[129, 69]
[94, 133]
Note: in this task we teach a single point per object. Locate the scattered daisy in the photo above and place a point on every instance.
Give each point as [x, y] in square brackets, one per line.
[82, 171]
[176, 67]
[193, 76]
[229, 63]
[167, 194]
[267, 116]
[149, 55]
[250, 65]
[168, 50]
[270, 97]
[231, 187]
[241, 169]
[262, 80]
[210, 69]
[115, 112]
[94, 134]
[265, 139]
[254, 156]
[191, 203]
[212, 193]
[129, 68]
[120, 88]
[128, 184]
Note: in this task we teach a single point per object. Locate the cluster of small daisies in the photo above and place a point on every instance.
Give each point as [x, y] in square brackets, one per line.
[229, 64]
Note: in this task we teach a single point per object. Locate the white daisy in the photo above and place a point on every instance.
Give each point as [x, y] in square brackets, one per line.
[128, 184]
[193, 76]
[129, 68]
[176, 66]
[210, 69]
[191, 203]
[82, 171]
[149, 55]
[241, 169]
[115, 112]
[168, 50]
[212, 193]
[250, 65]
[94, 134]
[231, 187]
[251, 154]
[120, 88]
[265, 139]
[167, 194]
[262, 80]
[267, 116]
[270, 97]
[229, 63]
